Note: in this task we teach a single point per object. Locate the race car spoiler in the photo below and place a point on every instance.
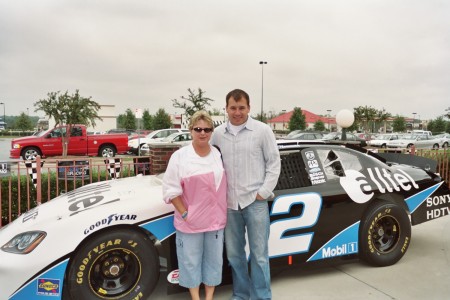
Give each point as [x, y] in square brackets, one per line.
[427, 164]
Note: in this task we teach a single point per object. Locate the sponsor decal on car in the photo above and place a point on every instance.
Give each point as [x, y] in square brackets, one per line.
[108, 220]
[316, 174]
[173, 277]
[88, 197]
[358, 188]
[48, 287]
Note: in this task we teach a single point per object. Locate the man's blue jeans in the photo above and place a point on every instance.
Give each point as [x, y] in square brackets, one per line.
[254, 218]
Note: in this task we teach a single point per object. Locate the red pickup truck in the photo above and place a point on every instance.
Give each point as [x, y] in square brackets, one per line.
[49, 143]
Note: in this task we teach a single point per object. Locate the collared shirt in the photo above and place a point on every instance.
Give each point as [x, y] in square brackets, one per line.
[251, 160]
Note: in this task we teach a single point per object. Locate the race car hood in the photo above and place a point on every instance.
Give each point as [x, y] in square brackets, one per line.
[131, 195]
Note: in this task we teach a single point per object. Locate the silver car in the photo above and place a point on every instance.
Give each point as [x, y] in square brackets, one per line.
[381, 140]
[416, 140]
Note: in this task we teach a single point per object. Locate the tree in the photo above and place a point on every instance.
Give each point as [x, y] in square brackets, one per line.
[69, 110]
[128, 120]
[399, 124]
[23, 122]
[147, 120]
[319, 126]
[297, 121]
[439, 125]
[161, 120]
[382, 117]
[365, 115]
[192, 103]
[263, 119]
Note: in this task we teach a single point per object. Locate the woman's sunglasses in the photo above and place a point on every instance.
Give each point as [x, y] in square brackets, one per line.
[199, 129]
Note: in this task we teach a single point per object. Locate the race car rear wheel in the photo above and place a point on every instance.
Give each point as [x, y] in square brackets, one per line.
[119, 264]
[385, 234]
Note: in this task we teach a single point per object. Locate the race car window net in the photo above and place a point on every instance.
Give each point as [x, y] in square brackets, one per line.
[293, 172]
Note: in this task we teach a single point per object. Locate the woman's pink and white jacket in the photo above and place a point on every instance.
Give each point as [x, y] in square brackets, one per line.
[202, 184]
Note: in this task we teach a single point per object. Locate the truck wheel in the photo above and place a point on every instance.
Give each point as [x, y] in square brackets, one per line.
[126, 267]
[107, 151]
[385, 234]
[30, 153]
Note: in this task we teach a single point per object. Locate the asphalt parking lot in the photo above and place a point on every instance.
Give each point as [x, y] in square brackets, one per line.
[423, 273]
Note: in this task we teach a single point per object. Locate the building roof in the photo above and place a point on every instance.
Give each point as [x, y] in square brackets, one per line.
[309, 118]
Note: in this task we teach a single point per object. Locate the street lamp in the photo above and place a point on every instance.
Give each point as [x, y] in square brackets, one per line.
[329, 116]
[4, 116]
[262, 63]
[283, 111]
[414, 120]
[345, 119]
[224, 118]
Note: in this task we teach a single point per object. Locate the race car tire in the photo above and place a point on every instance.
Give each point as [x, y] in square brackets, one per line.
[30, 153]
[120, 264]
[107, 151]
[385, 234]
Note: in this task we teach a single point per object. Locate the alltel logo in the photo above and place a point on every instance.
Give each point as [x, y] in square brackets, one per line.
[359, 189]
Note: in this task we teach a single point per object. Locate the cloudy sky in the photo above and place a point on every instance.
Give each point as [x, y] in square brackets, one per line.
[321, 54]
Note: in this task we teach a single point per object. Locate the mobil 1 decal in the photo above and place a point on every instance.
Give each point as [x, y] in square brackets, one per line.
[313, 167]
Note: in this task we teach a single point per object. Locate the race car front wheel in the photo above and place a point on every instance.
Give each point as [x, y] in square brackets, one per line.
[385, 234]
[119, 264]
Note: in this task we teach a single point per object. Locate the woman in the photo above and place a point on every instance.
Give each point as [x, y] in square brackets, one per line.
[195, 184]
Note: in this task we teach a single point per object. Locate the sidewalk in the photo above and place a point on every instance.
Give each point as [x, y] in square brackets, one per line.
[423, 273]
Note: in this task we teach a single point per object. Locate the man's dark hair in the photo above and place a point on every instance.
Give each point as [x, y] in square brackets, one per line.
[237, 95]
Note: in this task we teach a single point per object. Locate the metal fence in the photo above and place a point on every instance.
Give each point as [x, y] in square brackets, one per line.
[24, 185]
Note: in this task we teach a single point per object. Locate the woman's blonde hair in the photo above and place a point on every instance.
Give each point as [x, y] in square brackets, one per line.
[199, 116]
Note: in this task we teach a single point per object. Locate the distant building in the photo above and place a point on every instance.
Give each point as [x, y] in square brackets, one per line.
[281, 122]
[108, 121]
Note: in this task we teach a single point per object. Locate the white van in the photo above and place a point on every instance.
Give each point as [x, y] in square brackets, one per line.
[421, 132]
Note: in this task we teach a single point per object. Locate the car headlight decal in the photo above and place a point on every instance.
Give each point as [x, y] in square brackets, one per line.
[24, 242]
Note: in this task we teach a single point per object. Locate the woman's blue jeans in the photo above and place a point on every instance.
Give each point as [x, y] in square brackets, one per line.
[255, 220]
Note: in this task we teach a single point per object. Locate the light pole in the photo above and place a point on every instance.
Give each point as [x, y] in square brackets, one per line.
[28, 111]
[262, 63]
[414, 120]
[329, 116]
[283, 111]
[224, 118]
[345, 119]
[4, 115]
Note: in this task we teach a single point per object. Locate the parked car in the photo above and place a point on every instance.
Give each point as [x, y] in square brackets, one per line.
[115, 239]
[49, 143]
[381, 140]
[442, 140]
[178, 138]
[304, 135]
[135, 143]
[417, 140]
[337, 136]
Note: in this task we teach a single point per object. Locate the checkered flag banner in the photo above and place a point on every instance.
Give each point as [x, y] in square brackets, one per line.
[32, 170]
[113, 165]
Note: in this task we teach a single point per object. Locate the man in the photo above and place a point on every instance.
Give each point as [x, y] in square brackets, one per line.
[252, 164]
